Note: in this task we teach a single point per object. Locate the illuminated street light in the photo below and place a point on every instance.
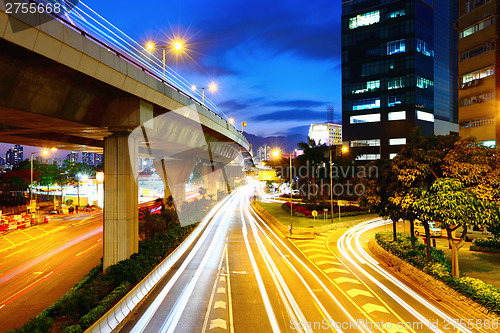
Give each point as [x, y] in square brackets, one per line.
[211, 86]
[231, 121]
[177, 46]
[43, 152]
[276, 153]
[344, 149]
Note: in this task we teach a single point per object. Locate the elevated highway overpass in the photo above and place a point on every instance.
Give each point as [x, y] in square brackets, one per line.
[60, 87]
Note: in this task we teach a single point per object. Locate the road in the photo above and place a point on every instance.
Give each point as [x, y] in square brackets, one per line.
[243, 276]
[40, 264]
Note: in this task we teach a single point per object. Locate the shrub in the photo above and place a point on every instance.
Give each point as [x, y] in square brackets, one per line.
[488, 242]
[39, 324]
[73, 329]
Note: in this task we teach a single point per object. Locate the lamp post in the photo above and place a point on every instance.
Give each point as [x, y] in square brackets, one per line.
[343, 150]
[176, 45]
[276, 153]
[211, 86]
[43, 152]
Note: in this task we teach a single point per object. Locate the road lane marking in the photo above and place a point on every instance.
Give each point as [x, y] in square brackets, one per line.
[218, 323]
[336, 270]
[358, 292]
[346, 279]
[369, 307]
[90, 248]
[324, 262]
[221, 290]
[316, 251]
[220, 305]
[316, 256]
[229, 295]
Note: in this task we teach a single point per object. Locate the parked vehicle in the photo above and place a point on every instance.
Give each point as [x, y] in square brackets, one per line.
[473, 233]
[434, 230]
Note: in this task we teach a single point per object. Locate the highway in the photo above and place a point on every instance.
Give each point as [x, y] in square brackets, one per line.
[243, 276]
[41, 263]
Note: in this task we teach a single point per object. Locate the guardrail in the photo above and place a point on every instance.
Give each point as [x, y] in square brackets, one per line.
[112, 318]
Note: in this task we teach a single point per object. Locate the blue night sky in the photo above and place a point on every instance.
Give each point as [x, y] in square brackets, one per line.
[276, 63]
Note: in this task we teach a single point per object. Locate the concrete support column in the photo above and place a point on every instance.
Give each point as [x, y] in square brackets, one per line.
[210, 177]
[178, 172]
[162, 172]
[121, 221]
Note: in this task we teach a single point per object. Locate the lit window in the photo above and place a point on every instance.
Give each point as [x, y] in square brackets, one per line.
[365, 87]
[396, 83]
[397, 142]
[365, 118]
[425, 116]
[396, 46]
[368, 157]
[397, 13]
[476, 75]
[395, 100]
[364, 19]
[366, 104]
[489, 143]
[477, 27]
[392, 155]
[424, 83]
[424, 48]
[397, 115]
[365, 143]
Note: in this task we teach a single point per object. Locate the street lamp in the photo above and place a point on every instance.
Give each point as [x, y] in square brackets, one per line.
[176, 45]
[43, 152]
[211, 86]
[243, 124]
[344, 149]
[276, 154]
[231, 121]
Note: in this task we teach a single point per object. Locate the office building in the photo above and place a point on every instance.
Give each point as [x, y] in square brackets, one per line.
[326, 134]
[263, 153]
[477, 69]
[72, 157]
[14, 155]
[98, 158]
[398, 72]
[88, 158]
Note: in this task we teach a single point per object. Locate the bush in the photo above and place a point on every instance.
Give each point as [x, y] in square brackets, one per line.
[488, 242]
[481, 292]
[73, 329]
[306, 210]
[39, 324]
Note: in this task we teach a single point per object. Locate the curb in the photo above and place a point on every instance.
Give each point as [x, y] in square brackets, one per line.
[433, 285]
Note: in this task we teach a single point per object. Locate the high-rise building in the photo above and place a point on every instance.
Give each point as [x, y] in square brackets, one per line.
[477, 70]
[326, 134]
[263, 153]
[72, 157]
[398, 72]
[14, 155]
[98, 158]
[88, 158]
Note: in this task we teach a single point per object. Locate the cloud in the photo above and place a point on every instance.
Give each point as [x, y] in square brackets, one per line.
[289, 115]
[301, 103]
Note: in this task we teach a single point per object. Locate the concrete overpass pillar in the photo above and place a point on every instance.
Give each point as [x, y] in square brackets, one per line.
[161, 170]
[178, 172]
[121, 221]
[210, 177]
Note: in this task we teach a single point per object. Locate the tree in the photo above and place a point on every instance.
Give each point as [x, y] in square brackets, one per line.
[453, 205]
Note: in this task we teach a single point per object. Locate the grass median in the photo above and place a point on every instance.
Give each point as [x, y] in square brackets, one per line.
[281, 215]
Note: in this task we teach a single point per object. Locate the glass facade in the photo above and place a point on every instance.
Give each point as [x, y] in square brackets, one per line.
[397, 57]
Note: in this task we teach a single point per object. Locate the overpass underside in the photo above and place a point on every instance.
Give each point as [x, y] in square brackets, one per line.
[49, 100]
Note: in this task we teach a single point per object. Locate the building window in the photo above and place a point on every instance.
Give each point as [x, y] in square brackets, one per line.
[366, 104]
[425, 116]
[368, 157]
[472, 78]
[477, 99]
[397, 13]
[473, 4]
[365, 118]
[486, 47]
[397, 142]
[395, 100]
[396, 46]
[489, 143]
[365, 143]
[396, 83]
[478, 123]
[425, 48]
[424, 83]
[366, 86]
[392, 155]
[364, 19]
[477, 27]
[397, 115]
